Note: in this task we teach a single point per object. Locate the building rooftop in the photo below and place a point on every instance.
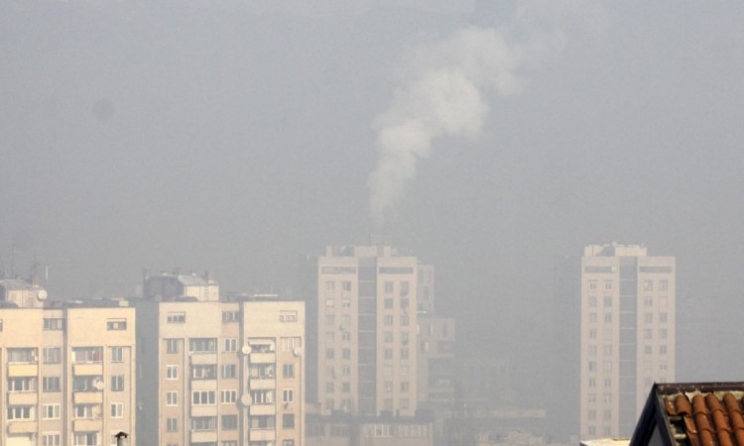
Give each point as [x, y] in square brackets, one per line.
[607, 442]
[693, 414]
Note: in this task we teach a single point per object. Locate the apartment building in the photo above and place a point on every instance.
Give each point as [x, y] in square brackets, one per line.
[219, 372]
[67, 373]
[362, 331]
[627, 334]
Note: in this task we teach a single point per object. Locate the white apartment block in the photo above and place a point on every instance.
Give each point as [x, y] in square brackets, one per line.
[627, 335]
[219, 373]
[362, 319]
[67, 375]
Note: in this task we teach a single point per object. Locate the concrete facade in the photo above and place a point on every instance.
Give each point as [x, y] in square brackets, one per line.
[627, 335]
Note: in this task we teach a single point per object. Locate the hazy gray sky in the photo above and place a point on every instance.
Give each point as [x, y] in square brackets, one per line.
[237, 136]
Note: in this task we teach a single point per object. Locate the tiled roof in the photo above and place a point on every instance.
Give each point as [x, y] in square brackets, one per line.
[702, 414]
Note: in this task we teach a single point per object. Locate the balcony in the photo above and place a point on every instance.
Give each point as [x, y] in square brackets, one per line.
[88, 397]
[263, 358]
[203, 358]
[22, 426]
[204, 384]
[23, 398]
[88, 369]
[204, 410]
[263, 409]
[261, 384]
[87, 425]
[23, 370]
[262, 435]
[203, 436]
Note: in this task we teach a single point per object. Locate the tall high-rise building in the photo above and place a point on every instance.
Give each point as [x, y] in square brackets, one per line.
[218, 371]
[627, 334]
[362, 331]
[67, 371]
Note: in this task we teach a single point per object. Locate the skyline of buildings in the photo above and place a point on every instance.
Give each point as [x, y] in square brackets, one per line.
[361, 346]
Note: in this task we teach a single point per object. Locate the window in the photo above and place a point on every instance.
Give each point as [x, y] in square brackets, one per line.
[608, 366]
[117, 410]
[592, 366]
[647, 350]
[288, 371]
[592, 414]
[388, 336]
[171, 398]
[608, 284]
[648, 285]
[230, 316]
[329, 287]
[346, 287]
[663, 285]
[388, 304]
[404, 320]
[176, 318]
[202, 345]
[592, 301]
[86, 438]
[606, 398]
[330, 302]
[262, 396]
[346, 303]
[404, 288]
[87, 354]
[262, 422]
[117, 354]
[663, 333]
[87, 384]
[20, 413]
[116, 324]
[287, 395]
[229, 422]
[608, 317]
[330, 320]
[404, 303]
[592, 284]
[86, 411]
[346, 387]
[648, 301]
[592, 397]
[592, 333]
[403, 353]
[288, 443]
[388, 320]
[607, 382]
[662, 349]
[202, 397]
[229, 370]
[592, 382]
[21, 384]
[389, 287]
[346, 353]
[648, 318]
[51, 383]
[388, 387]
[48, 439]
[52, 355]
[607, 349]
[172, 346]
[592, 318]
[261, 371]
[230, 345]
[50, 411]
[329, 353]
[288, 421]
[288, 316]
[663, 318]
[22, 355]
[607, 415]
[388, 353]
[592, 350]
[171, 425]
[206, 371]
[54, 324]
[330, 387]
[204, 423]
[171, 372]
[228, 396]
[117, 383]
[608, 301]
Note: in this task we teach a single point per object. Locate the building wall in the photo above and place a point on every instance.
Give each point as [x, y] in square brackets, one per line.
[67, 373]
[627, 334]
[364, 302]
[217, 369]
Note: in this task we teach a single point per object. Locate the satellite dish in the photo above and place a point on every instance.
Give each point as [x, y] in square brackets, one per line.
[98, 384]
[246, 350]
[41, 295]
[297, 352]
[245, 400]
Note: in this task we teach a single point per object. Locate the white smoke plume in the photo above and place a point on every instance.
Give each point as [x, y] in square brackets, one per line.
[448, 92]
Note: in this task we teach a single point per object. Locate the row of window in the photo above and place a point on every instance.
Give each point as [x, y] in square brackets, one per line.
[208, 397]
[648, 285]
[53, 355]
[54, 384]
[648, 333]
[209, 345]
[230, 422]
[235, 443]
[209, 371]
